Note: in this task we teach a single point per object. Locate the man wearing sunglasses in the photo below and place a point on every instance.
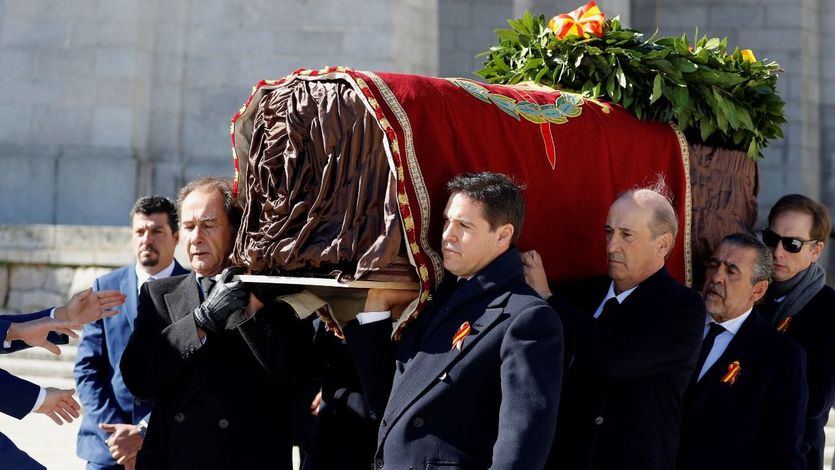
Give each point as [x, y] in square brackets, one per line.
[799, 304]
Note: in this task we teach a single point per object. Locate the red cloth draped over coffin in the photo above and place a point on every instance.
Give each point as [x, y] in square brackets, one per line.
[574, 155]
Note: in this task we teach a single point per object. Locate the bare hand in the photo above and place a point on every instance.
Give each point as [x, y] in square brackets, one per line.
[59, 404]
[316, 403]
[130, 464]
[393, 300]
[35, 332]
[88, 306]
[535, 273]
[124, 442]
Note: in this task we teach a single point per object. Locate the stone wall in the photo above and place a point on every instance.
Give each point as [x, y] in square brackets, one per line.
[43, 265]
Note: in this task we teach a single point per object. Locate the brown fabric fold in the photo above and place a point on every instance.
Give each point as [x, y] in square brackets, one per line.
[319, 192]
[724, 197]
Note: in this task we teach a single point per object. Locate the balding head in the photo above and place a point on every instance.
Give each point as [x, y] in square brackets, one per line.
[640, 231]
[662, 215]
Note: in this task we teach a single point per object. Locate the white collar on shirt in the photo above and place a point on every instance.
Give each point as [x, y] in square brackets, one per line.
[142, 276]
[620, 297]
[732, 325]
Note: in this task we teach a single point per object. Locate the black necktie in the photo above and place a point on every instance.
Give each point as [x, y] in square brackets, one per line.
[610, 306]
[714, 330]
[206, 285]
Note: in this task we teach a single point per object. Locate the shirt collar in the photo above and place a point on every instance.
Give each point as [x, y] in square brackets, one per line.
[142, 276]
[731, 325]
[620, 297]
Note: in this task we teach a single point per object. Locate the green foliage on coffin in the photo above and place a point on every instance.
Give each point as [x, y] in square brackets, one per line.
[720, 99]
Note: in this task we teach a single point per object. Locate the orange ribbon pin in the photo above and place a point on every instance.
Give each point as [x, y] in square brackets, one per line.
[458, 338]
[783, 326]
[586, 20]
[733, 372]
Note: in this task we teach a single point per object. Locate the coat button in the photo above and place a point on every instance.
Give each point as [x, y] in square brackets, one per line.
[442, 377]
[598, 421]
[379, 463]
[223, 423]
[179, 417]
[418, 422]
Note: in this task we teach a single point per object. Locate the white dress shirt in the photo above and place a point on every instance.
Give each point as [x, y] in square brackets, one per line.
[619, 297]
[722, 339]
[142, 276]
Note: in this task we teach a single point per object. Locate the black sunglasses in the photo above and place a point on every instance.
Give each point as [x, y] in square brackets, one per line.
[790, 244]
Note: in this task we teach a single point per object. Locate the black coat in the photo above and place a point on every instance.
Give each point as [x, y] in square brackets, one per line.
[491, 404]
[813, 328]
[757, 420]
[621, 406]
[222, 404]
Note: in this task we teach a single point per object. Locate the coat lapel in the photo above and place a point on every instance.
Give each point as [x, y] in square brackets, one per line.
[183, 299]
[426, 369]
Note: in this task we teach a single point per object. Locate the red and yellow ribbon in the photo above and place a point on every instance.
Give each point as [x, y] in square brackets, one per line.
[783, 326]
[584, 21]
[458, 338]
[733, 372]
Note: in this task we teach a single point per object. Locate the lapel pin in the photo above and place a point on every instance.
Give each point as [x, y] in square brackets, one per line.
[733, 372]
[783, 326]
[458, 338]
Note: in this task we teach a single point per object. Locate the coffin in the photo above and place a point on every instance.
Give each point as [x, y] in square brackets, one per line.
[341, 175]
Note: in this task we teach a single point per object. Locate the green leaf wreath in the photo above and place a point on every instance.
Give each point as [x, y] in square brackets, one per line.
[720, 99]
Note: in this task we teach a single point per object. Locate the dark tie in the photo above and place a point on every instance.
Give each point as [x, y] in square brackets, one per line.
[713, 331]
[610, 306]
[206, 285]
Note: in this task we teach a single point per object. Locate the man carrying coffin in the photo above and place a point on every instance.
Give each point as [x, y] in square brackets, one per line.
[633, 342]
[746, 402]
[476, 379]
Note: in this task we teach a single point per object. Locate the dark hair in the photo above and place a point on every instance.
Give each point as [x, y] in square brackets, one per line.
[764, 267]
[502, 198]
[222, 186]
[821, 225]
[155, 205]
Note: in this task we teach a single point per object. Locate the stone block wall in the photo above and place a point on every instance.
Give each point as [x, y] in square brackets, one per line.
[41, 266]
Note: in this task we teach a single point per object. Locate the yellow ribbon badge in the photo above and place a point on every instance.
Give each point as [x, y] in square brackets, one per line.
[584, 21]
[458, 338]
[783, 326]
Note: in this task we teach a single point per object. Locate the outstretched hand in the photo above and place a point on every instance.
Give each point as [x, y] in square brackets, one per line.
[35, 332]
[88, 306]
[59, 405]
[535, 273]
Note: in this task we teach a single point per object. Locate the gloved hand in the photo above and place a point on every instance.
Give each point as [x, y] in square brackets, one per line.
[226, 297]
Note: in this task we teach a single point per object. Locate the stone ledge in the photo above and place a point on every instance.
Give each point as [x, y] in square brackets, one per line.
[65, 245]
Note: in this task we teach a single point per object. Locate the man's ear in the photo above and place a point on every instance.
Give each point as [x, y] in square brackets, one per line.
[665, 243]
[505, 235]
[759, 291]
[817, 251]
[176, 237]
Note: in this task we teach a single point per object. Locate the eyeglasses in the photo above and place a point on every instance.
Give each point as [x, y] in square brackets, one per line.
[790, 244]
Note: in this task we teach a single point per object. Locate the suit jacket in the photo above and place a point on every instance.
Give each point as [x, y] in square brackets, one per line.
[621, 406]
[754, 420]
[101, 390]
[343, 434]
[222, 404]
[491, 404]
[7, 320]
[813, 328]
[18, 396]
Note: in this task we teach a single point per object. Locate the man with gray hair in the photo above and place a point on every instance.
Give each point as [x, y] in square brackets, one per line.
[746, 402]
[631, 341]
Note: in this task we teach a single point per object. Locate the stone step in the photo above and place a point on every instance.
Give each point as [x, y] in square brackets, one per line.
[37, 367]
[68, 353]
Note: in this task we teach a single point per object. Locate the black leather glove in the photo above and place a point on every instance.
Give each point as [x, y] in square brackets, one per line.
[226, 297]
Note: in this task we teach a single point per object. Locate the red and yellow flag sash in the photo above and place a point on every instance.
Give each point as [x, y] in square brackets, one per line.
[458, 338]
[733, 372]
[584, 21]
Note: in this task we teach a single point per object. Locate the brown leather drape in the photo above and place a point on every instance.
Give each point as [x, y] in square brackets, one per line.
[319, 193]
